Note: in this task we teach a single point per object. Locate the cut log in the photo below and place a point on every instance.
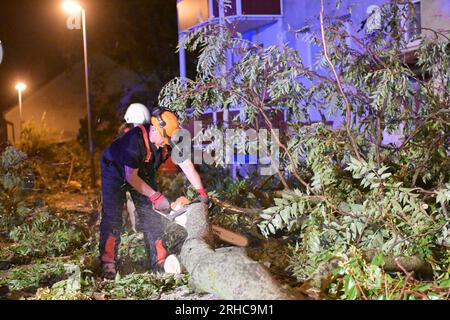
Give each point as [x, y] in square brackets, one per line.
[230, 237]
[229, 274]
[172, 265]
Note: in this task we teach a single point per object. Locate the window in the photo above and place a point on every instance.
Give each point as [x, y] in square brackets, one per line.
[271, 7]
[250, 7]
[192, 12]
[413, 24]
[373, 18]
[230, 9]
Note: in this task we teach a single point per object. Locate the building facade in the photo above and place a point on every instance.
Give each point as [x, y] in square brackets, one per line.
[268, 22]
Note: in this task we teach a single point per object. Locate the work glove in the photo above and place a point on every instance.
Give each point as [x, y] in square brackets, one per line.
[160, 203]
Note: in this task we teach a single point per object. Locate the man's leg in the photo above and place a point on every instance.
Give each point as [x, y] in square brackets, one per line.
[113, 199]
[152, 225]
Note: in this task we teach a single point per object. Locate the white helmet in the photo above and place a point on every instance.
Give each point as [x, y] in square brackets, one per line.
[137, 114]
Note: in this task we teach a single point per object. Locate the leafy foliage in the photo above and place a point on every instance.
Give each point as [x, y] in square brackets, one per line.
[34, 231]
[37, 138]
[132, 245]
[142, 285]
[352, 188]
[44, 235]
[12, 205]
[359, 279]
[30, 276]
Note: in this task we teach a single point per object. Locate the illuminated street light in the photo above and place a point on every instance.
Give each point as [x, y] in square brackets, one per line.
[20, 87]
[1, 52]
[72, 7]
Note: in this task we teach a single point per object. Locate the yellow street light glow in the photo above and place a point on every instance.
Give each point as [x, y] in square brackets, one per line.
[21, 86]
[71, 7]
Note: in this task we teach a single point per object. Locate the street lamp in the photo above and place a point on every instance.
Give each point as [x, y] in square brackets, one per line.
[20, 87]
[72, 7]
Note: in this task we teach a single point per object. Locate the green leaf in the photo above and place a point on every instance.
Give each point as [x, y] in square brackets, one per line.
[385, 176]
[351, 291]
[266, 216]
[423, 287]
[271, 228]
[378, 260]
[444, 283]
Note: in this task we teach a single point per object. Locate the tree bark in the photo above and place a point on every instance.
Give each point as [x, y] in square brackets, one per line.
[412, 263]
[228, 207]
[229, 273]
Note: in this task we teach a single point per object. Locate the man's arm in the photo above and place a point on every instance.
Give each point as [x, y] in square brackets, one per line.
[194, 178]
[131, 175]
[159, 201]
[191, 174]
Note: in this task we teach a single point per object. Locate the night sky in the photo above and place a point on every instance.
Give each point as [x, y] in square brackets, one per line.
[38, 46]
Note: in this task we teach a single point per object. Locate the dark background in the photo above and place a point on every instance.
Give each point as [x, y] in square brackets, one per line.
[139, 34]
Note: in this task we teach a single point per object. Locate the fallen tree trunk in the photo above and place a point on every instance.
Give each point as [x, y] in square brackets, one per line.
[230, 274]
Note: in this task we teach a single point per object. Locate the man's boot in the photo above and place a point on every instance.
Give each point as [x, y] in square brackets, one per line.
[108, 262]
[109, 270]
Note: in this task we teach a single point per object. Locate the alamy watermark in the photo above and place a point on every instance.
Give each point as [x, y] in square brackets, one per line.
[73, 22]
[228, 147]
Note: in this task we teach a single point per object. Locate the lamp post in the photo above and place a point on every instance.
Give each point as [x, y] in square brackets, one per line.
[20, 87]
[72, 7]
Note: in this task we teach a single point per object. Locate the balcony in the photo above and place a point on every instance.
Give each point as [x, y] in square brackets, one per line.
[246, 14]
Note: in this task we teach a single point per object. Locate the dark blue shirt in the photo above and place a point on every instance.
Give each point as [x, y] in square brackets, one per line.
[129, 150]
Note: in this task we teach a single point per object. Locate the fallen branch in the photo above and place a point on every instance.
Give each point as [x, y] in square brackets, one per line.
[70, 171]
[228, 207]
[408, 276]
[230, 274]
[409, 264]
[322, 276]
[348, 122]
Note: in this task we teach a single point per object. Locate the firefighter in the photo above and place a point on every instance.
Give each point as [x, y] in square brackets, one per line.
[130, 164]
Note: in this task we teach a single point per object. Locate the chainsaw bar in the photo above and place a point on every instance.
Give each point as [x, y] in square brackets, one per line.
[178, 215]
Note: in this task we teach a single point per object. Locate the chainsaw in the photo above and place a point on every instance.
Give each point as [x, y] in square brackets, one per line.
[178, 215]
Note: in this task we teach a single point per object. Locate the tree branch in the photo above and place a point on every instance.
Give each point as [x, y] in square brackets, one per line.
[226, 206]
[338, 81]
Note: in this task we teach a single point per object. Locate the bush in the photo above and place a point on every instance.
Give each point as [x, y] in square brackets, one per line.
[44, 235]
[30, 276]
[142, 286]
[37, 139]
[12, 205]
